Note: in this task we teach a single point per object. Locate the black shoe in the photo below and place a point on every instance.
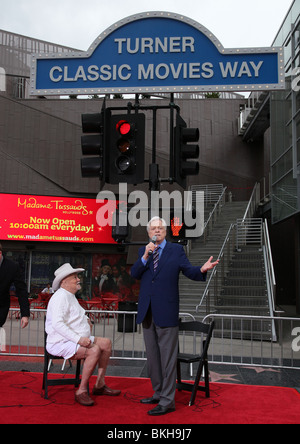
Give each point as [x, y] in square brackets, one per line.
[160, 410]
[149, 401]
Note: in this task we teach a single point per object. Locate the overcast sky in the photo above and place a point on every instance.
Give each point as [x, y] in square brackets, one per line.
[77, 23]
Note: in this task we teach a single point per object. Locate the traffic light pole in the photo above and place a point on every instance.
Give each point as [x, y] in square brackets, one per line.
[171, 158]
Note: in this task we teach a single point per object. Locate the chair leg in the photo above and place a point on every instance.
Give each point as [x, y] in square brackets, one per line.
[72, 381]
[45, 377]
[196, 383]
[178, 374]
[77, 376]
[206, 376]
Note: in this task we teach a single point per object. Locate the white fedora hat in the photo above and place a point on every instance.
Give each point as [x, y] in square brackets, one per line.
[62, 272]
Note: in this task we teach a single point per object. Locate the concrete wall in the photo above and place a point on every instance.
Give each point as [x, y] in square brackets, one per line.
[40, 146]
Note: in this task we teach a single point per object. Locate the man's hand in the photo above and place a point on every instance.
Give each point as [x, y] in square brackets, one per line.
[149, 247]
[209, 265]
[85, 342]
[24, 322]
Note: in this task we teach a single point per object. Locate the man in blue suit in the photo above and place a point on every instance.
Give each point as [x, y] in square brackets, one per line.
[158, 269]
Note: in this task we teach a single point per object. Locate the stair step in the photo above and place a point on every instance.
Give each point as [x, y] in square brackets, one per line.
[245, 282]
[242, 302]
[241, 291]
[248, 257]
[245, 265]
[245, 311]
[256, 273]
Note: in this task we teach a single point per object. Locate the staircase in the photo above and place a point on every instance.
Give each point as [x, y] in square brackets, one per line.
[242, 287]
[191, 292]
[244, 291]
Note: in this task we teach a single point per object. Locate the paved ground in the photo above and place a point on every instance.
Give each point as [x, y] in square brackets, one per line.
[218, 373]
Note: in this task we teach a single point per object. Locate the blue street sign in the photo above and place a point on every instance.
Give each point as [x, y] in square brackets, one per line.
[157, 52]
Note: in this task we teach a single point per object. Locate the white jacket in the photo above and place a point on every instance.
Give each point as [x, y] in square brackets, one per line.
[66, 319]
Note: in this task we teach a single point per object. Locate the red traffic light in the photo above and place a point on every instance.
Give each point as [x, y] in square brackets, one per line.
[126, 148]
[123, 127]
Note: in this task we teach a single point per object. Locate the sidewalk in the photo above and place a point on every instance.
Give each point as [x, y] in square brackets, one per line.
[131, 345]
[138, 369]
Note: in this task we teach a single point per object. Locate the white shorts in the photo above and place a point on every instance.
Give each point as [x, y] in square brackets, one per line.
[65, 349]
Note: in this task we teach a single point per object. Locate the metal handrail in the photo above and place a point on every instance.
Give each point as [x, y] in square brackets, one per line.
[223, 265]
[208, 189]
[270, 258]
[249, 231]
[270, 272]
[213, 213]
[253, 202]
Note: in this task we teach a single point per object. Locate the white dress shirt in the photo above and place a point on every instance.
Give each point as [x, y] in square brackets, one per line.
[66, 323]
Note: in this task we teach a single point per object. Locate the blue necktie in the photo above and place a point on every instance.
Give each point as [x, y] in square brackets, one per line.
[156, 259]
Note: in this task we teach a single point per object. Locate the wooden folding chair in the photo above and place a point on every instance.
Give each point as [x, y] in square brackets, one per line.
[207, 331]
[47, 382]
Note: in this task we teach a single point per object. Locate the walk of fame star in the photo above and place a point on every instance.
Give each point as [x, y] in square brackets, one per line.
[215, 377]
[262, 369]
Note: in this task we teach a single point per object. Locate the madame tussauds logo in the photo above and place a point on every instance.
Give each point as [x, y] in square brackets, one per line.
[32, 203]
[138, 208]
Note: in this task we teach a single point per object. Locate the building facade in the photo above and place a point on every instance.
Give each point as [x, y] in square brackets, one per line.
[15, 61]
[285, 124]
[285, 163]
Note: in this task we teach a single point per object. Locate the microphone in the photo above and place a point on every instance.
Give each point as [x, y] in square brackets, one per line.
[154, 239]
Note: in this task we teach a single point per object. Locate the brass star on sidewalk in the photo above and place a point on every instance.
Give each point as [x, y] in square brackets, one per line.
[262, 369]
[215, 377]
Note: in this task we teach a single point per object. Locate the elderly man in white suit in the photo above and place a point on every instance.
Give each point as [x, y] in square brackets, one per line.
[69, 334]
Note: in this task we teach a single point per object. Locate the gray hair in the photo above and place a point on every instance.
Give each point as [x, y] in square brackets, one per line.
[154, 219]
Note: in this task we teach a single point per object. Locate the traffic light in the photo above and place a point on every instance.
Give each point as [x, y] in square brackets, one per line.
[185, 224]
[126, 148]
[177, 228]
[120, 226]
[93, 144]
[183, 151]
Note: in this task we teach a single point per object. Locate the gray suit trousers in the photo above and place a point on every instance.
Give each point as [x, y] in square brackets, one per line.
[162, 351]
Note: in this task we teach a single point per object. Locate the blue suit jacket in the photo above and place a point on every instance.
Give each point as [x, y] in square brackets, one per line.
[160, 289]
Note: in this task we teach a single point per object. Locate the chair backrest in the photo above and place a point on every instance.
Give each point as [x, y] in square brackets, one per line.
[199, 327]
[45, 333]
[196, 326]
